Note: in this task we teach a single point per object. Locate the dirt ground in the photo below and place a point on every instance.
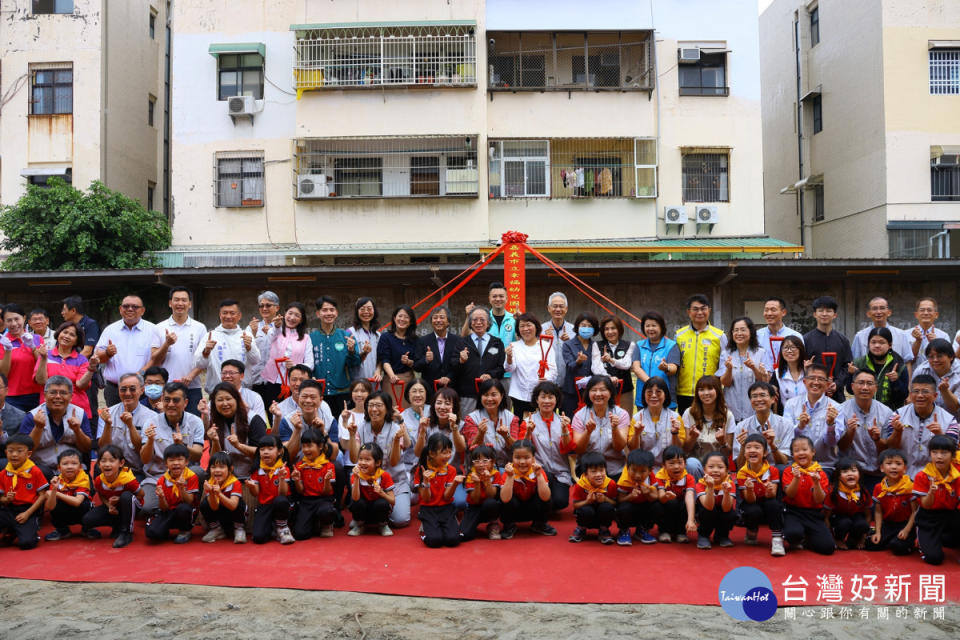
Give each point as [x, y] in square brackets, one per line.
[36, 609]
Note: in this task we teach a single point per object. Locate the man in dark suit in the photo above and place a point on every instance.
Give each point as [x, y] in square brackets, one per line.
[432, 355]
[481, 356]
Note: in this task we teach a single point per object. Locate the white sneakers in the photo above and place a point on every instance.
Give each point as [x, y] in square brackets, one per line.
[282, 534]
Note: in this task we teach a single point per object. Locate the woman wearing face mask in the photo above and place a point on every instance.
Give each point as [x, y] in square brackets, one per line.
[154, 379]
[66, 360]
[577, 357]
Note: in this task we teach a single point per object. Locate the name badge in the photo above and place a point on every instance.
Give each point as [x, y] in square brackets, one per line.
[493, 350]
[339, 346]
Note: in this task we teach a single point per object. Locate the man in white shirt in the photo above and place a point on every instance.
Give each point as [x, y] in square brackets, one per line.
[268, 305]
[914, 424]
[926, 313]
[777, 430]
[179, 336]
[39, 323]
[227, 342]
[878, 310]
[561, 330]
[126, 346]
[814, 414]
[123, 423]
[864, 418]
[774, 311]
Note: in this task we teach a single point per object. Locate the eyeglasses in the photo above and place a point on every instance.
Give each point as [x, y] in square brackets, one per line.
[130, 307]
[923, 392]
[58, 392]
[699, 309]
[789, 347]
[816, 378]
[865, 383]
[267, 304]
[127, 389]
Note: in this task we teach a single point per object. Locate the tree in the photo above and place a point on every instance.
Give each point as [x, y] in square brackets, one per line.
[62, 228]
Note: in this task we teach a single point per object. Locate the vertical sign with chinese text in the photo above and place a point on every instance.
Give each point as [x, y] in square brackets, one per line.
[514, 277]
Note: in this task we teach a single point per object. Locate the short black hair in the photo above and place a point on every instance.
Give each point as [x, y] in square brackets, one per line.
[175, 386]
[825, 302]
[940, 346]
[756, 437]
[115, 452]
[496, 285]
[886, 454]
[673, 452]
[39, 311]
[74, 302]
[592, 459]
[924, 378]
[778, 300]
[20, 438]
[640, 458]
[174, 290]
[942, 443]
[233, 363]
[322, 300]
[69, 452]
[229, 302]
[176, 451]
[698, 297]
[157, 371]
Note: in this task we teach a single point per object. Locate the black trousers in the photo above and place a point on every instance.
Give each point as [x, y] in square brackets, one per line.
[337, 403]
[635, 514]
[936, 528]
[310, 511]
[559, 493]
[64, 515]
[474, 514]
[800, 524]
[27, 533]
[671, 516]
[223, 516]
[768, 511]
[715, 521]
[366, 512]
[266, 515]
[163, 522]
[683, 403]
[849, 528]
[101, 517]
[532, 510]
[440, 527]
[595, 516]
[270, 391]
[889, 540]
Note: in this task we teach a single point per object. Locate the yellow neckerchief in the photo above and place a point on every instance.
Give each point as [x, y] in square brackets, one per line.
[716, 485]
[372, 477]
[745, 472]
[626, 481]
[667, 482]
[123, 478]
[851, 495]
[317, 462]
[814, 466]
[903, 486]
[589, 488]
[530, 475]
[22, 472]
[228, 482]
[938, 479]
[82, 481]
[272, 469]
[186, 475]
[442, 469]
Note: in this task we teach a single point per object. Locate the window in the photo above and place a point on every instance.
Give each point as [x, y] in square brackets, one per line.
[332, 57]
[53, 6]
[814, 26]
[706, 176]
[818, 208]
[151, 188]
[945, 72]
[239, 179]
[945, 177]
[913, 243]
[153, 25]
[52, 91]
[151, 108]
[570, 61]
[387, 167]
[817, 108]
[240, 75]
[705, 77]
[519, 168]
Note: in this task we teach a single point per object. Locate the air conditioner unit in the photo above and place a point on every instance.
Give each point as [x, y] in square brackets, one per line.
[689, 55]
[312, 185]
[242, 106]
[947, 160]
[707, 215]
[675, 215]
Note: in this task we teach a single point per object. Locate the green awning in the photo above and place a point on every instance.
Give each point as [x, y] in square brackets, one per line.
[229, 48]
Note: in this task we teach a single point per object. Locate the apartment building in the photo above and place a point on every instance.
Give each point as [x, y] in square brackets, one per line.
[861, 134]
[82, 95]
[309, 131]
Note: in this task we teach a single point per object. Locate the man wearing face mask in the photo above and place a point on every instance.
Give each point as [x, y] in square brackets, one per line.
[154, 380]
[123, 423]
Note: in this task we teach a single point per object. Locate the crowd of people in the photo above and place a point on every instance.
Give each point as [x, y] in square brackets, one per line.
[261, 426]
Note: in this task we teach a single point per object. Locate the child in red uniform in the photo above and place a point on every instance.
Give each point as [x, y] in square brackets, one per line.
[177, 492]
[805, 487]
[716, 502]
[525, 493]
[270, 483]
[437, 480]
[637, 496]
[594, 499]
[846, 506]
[222, 502]
[482, 486]
[371, 491]
[313, 479]
[937, 487]
[119, 493]
[757, 484]
[22, 492]
[68, 498]
[895, 509]
[675, 497]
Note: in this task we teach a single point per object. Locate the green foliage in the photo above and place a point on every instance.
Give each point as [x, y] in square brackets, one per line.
[65, 229]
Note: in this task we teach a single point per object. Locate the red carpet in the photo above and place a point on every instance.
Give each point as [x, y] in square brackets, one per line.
[529, 568]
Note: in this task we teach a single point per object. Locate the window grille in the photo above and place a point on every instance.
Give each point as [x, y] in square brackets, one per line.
[910, 243]
[706, 177]
[706, 77]
[51, 89]
[570, 61]
[436, 56]
[238, 178]
[387, 167]
[573, 168]
[240, 75]
[945, 178]
[815, 26]
[945, 72]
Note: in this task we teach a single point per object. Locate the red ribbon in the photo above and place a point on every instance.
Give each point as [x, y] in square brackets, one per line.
[476, 384]
[284, 381]
[619, 390]
[374, 383]
[397, 397]
[437, 385]
[323, 386]
[833, 363]
[774, 352]
[580, 403]
[544, 364]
